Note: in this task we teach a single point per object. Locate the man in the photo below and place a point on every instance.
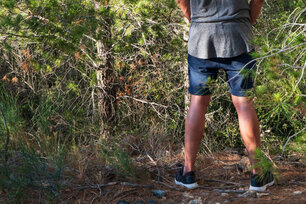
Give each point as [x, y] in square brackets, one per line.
[219, 37]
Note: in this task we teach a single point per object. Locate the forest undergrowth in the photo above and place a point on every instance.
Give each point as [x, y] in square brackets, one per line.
[93, 97]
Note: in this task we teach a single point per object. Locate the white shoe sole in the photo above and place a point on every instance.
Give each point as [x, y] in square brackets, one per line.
[262, 188]
[189, 186]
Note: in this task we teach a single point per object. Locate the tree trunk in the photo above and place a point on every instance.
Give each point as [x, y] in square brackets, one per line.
[106, 76]
[185, 67]
[186, 84]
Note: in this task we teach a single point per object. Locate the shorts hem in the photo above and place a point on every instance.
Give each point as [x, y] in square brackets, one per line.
[244, 93]
[200, 93]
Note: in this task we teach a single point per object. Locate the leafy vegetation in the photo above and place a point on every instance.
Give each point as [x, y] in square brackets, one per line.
[51, 53]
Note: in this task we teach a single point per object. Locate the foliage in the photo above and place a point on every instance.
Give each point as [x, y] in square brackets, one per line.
[280, 82]
[119, 159]
[48, 89]
[27, 171]
[13, 122]
[263, 165]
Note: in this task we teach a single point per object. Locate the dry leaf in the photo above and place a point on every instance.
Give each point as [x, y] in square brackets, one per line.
[77, 55]
[140, 62]
[5, 78]
[78, 22]
[14, 80]
[83, 47]
[132, 66]
[26, 53]
[25, 66]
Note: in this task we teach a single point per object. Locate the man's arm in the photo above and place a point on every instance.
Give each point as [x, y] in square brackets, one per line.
[255, 6]
[185, 7]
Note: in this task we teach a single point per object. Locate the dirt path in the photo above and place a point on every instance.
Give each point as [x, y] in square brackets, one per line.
[217, 175]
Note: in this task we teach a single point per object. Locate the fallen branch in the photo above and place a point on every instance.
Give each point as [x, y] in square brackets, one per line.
[152, 160]
[229, 191]
[142, 101]
[289, 140]
[98, 186]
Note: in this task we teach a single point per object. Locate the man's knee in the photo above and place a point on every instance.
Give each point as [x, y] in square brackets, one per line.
[202, 101]
[241, 103]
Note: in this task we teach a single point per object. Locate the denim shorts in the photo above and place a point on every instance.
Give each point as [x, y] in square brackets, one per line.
[240, 72]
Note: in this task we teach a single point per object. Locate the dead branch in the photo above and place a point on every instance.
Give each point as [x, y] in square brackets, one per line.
[142, 101]
[98, 186]
[289, 140]
[229, 191]
[300, 78]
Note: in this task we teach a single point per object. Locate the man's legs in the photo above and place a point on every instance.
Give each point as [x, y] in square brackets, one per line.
[249, 129]
[194, 129]
[248, 124]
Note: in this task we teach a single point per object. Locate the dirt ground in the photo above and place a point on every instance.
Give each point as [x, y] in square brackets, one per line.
[223, 178]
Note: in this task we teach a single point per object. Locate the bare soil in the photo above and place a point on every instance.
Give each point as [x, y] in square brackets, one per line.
[223, 178]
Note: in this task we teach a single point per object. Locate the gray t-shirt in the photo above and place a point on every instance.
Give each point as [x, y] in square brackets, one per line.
[219, 28]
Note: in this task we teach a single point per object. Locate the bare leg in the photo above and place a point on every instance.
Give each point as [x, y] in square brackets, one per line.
[194, 129]
[249, 125]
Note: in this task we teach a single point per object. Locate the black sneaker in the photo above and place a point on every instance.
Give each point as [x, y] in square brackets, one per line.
[261, 184]
[188, 180]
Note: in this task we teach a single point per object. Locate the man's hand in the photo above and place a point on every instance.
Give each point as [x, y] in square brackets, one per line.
[255, 6]
[185, 7]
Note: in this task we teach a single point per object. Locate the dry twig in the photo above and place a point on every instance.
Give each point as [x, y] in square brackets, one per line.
[98, 186]
[289, 140]
[229, 191]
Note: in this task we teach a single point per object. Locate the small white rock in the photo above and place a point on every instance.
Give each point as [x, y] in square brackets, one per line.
[297, 192]
[248, 194]
[262, 194]
[187, 195]
[196, 201]
[224, 194]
